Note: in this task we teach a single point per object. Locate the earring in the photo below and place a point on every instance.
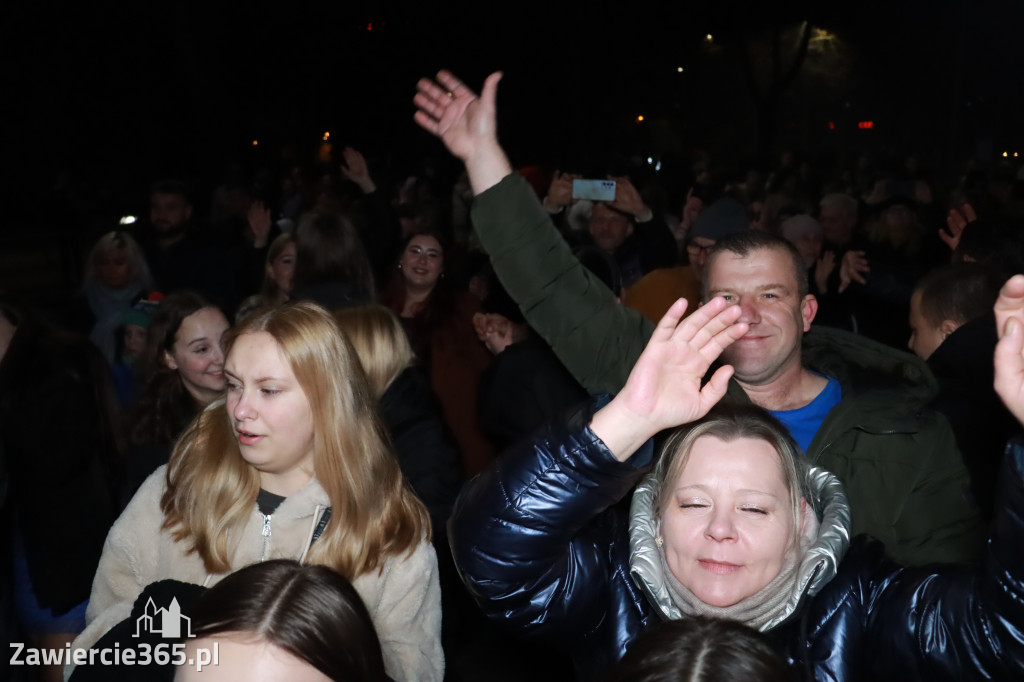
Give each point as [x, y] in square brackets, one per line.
[399, 266]
[659, 542]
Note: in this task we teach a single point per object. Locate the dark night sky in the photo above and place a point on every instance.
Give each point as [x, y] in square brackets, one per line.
[122, 93]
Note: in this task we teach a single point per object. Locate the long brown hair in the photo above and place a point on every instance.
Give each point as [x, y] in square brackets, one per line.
[166, 406]
[211, 490]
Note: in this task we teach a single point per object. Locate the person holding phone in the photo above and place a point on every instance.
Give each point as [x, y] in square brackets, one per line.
[618, 222]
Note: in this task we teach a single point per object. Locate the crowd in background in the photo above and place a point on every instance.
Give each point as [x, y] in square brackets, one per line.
[95, 394]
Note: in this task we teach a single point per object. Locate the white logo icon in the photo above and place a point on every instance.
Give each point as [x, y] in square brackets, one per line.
[164, 622]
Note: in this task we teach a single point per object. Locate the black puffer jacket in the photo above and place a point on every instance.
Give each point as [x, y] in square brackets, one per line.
[541, 551]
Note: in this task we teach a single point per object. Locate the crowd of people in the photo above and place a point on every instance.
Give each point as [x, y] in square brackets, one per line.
[356, 433]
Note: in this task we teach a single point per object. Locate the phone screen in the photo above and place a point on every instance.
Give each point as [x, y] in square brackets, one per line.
[594, 190]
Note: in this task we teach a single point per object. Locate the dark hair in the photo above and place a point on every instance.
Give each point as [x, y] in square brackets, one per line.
[328, 249]
[746, 242]
[959, 292]
[996, 241]
[440, 304]
[309, 611]
[171, 186]
[166, 407]
[700, 649]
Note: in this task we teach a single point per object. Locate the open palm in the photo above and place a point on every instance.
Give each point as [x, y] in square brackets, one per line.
[665, 384]
[453, 112]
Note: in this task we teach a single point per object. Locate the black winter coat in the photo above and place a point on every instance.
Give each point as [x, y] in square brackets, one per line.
[61, 453]
[541, 551]
[424, 450]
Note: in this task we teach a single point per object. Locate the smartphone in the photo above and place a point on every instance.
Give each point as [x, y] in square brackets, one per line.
[594, 190]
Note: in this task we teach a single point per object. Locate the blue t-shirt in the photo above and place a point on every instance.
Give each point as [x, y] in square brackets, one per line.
[803, 423]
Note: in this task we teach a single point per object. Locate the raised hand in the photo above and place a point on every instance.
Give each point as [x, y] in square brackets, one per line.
[355, 169]
[664, 389]
[853, 268]
[453, 112]
[560, 192]
[691, 210]
[1009, 355]
[628, 199]
[466, 124]
[259, 223]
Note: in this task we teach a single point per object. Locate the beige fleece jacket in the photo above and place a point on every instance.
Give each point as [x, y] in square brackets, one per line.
[404, 599]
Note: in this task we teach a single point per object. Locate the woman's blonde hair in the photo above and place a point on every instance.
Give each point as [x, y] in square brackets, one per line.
[211, 490]
[729, 423]
[379, 340]
[112, 241]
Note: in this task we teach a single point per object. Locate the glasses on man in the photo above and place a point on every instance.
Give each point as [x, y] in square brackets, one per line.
[695, 249]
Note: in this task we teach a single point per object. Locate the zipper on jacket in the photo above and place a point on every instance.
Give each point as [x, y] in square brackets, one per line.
[266, 536]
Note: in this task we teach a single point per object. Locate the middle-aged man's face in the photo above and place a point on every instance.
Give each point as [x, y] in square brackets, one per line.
[609, 228]
[836, 224]
[764, 285]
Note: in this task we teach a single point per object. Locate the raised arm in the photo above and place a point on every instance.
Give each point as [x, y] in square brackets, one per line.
[524, 531]
[595, 338]
[976, 612]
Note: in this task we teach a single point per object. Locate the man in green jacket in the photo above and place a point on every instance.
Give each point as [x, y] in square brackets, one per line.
[856, 407]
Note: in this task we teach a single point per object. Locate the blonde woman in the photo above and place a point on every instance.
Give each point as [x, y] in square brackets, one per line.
[116, 275]
[292, 464]
[409, 409]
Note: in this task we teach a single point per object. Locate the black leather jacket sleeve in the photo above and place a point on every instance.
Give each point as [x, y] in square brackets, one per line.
[526, 536]
[957, 622]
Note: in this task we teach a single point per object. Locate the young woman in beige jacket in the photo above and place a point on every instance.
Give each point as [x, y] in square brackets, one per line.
[293, 464]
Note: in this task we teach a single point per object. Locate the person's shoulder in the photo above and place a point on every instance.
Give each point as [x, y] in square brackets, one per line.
[152, 488]
[864, 365]
[407, 567]
[865, 567]
[143, 518]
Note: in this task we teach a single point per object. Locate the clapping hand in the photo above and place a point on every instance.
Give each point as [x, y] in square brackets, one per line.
[494, 331]
[664, 389]
[957, 222]
[826, 264]
[1009, 356]
[853, 268]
